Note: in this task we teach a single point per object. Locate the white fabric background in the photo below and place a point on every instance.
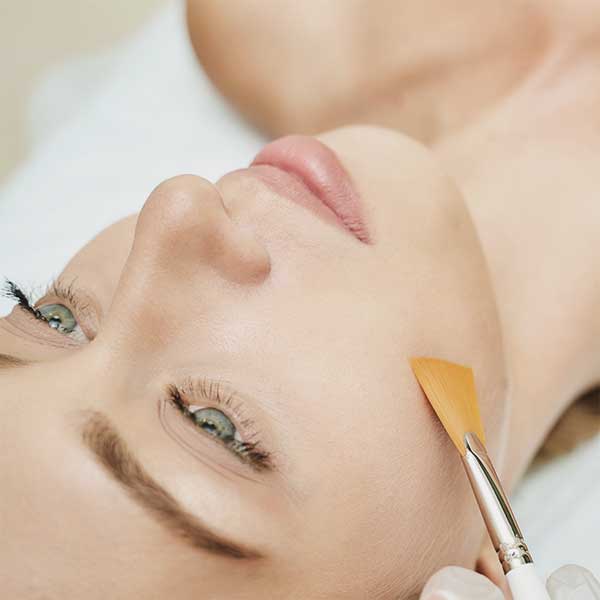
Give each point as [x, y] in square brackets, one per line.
[108, 128]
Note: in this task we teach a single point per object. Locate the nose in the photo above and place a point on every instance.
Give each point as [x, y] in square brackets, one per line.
[185, 227]
[188, 258]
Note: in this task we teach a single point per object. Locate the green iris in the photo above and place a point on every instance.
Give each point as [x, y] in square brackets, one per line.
[213, 421]
[58, 317]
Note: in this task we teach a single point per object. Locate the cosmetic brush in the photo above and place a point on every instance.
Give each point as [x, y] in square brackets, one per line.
[450, 388]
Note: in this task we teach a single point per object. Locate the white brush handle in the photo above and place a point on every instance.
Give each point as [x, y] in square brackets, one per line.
[525, 584]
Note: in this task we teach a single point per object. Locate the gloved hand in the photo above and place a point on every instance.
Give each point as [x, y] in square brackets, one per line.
[455, 583]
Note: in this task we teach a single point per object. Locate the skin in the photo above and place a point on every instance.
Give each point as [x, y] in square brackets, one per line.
[421, 67]
[232, 282]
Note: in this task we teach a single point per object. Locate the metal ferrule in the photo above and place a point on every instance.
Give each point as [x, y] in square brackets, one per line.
[495, 508]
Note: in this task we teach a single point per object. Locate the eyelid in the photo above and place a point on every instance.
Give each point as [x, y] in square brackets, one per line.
[24, 321]
[204, 390]
[84, 309]
[208, 393]
[80, 303]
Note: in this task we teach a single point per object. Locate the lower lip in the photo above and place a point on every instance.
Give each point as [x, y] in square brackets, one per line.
[308, 173]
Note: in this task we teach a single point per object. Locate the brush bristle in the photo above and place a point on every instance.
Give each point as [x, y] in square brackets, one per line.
[450, 388]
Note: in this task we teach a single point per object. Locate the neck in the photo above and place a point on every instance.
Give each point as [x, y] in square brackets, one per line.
[526, 168]
[472, 53]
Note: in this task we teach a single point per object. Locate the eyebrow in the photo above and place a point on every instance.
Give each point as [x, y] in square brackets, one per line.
[109, 448]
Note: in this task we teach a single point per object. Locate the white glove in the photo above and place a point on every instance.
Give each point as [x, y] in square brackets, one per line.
[455, 583]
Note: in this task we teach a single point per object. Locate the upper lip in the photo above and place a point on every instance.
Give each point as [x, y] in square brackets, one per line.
[320, 171]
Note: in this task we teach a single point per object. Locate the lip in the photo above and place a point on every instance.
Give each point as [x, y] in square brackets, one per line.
[310, 174]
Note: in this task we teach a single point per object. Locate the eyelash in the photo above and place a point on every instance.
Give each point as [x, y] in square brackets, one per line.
[14, 292]
[62, 292]
[248, 451]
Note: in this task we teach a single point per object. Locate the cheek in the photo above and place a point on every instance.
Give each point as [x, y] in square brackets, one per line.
[386, 484]
[393, 508]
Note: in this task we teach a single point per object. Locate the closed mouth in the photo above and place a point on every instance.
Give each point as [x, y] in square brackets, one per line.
[305, 170]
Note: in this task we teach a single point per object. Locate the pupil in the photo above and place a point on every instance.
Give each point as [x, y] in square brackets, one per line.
[54, 322]
[209, 426]
[215, 423]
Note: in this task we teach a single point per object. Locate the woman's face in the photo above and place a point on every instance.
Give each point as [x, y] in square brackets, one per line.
[243, 422]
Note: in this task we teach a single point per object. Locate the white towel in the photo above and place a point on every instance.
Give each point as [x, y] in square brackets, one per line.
[108, 128]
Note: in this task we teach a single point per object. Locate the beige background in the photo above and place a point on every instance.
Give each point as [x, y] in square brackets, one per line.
[35, 34]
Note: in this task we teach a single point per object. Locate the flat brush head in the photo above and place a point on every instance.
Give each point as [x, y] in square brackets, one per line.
[450, 388]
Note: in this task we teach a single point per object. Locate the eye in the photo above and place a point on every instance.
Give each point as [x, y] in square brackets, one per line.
[59, 317]
[56, 315]
[214, 422]
[62, 319]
